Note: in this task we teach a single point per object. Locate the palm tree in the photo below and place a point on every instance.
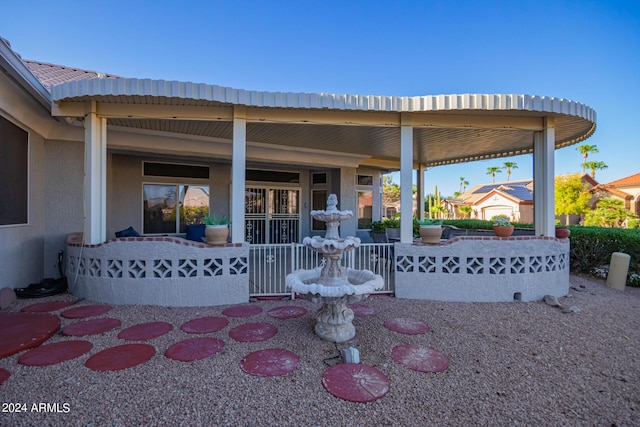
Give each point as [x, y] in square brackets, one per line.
[593, 165]
[461, 182]
[464, 187]
[493, 170]
[585, 150]
[508, 166]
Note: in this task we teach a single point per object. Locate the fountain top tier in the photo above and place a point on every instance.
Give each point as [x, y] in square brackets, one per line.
[332, 216]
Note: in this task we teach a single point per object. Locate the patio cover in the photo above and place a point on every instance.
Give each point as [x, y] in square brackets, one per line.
[390, 132]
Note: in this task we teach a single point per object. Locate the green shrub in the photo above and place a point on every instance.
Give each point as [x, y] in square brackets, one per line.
[591, 247]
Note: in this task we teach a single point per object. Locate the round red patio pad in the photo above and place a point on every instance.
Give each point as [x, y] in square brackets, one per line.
[145, 331]
[270, 362]
[419, 358]
[46, 306]
[20, 331]
[407, 326]
[205, 325]
[361, 310]
[355, 382]
[120, 357]
[86, 311]
[4, 374]
[287, 312]
[242, 311]
[194, 349]
[253, 332]
[91, 327]
[57, 352]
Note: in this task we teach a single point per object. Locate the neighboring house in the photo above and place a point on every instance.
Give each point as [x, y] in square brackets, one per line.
[513, 199]
[626, 189]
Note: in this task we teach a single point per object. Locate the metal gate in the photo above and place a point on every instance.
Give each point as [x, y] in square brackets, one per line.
[269, 265]
[272, 215]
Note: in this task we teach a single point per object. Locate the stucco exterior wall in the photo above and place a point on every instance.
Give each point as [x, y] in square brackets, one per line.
[64, 211]
[21, 246]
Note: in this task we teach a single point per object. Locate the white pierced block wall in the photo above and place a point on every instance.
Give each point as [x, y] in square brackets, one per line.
[164, 271]
[483, 269]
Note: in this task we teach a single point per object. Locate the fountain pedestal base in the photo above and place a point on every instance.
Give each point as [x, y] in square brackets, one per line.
[334, 323]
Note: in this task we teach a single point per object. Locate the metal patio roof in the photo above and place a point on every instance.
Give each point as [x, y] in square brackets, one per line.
[446, 128]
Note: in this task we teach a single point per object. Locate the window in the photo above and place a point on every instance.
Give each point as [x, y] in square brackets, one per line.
[14, 174]
[169, 208]
[365, 180]
[365, 209]
[318, 203]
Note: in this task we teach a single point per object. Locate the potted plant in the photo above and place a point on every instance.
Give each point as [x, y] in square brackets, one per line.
[562, 232]
[217, 229]
[392, 226]
[502, 227]
[430, 230]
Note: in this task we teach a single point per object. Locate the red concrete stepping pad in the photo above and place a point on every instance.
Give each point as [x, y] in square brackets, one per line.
[86, 311]
[270, 363]
[287, 312]
[407, 326]
[4, 374]
[21, 331]
[91, 327]
[120, 357]
[194, 349]
[145, 331]
[355, 382]
[419, 358]
[253, 332]
[361, 310]
[46, 306]
[205, 325]
[57, 352]
[242, 311]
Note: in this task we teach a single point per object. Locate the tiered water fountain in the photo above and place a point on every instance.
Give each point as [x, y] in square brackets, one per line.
[332, 284]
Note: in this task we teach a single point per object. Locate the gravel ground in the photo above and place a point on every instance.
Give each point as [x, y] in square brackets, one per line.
[510, 364]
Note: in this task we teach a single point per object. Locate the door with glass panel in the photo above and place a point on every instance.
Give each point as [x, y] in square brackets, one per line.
[272, 215]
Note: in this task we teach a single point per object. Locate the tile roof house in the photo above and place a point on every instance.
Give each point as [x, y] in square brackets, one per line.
[626, 189]
[513, 199]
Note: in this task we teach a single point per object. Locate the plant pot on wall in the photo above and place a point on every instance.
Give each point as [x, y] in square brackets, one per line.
[562, 232]
[216, 234]
[503, 230]
[430, 233]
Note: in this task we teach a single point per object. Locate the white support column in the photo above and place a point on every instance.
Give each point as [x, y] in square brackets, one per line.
[95, 177]
[421, 192]
[543, 179]
[238, 173]
[406, 178]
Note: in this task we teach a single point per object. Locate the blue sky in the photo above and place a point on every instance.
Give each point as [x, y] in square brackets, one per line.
[585, 51]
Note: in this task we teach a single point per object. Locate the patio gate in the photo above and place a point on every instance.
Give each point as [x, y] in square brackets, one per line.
[269, 264]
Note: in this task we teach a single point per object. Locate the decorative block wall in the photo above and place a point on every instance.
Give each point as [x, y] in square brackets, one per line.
[167, 271]
[483, 269]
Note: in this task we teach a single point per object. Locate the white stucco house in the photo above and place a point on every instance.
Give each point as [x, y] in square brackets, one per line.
[87, 154]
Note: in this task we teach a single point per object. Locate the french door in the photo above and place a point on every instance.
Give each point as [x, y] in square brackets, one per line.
[272, 215]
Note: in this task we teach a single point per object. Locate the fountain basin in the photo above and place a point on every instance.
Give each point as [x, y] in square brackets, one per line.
[334, 318]
[331, 246]
[359, 283]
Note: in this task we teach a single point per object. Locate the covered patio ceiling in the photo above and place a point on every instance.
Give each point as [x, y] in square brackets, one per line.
[446, 128]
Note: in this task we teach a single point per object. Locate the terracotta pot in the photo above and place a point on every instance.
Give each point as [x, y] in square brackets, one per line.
[430, 233]
[562, 232]
[216, 234]
[503, 230]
